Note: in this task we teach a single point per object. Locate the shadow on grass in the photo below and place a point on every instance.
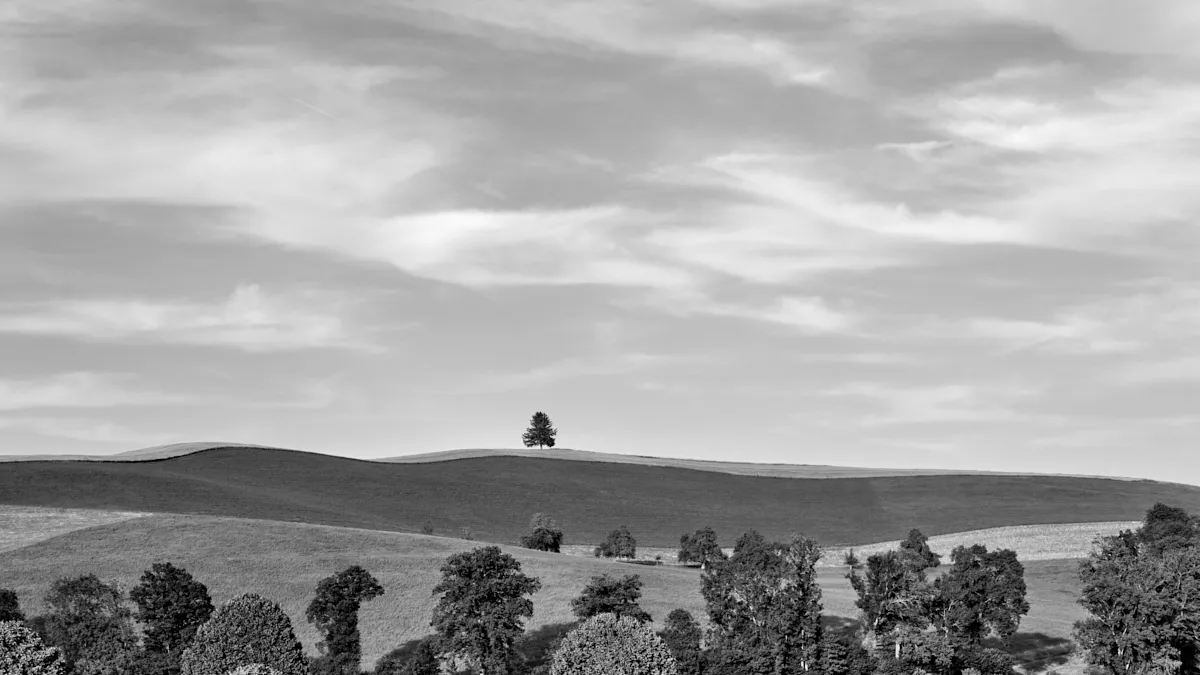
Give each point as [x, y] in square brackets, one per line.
[839, 626]
[391, 662]
[538, 645]
[1038, 652]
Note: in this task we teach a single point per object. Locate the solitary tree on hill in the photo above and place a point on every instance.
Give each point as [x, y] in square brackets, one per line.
[540, 432]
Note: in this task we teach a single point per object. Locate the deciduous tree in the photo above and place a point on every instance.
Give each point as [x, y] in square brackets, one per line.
[10, 607]
[682, 635]
[609, 595]
[334, 612]
[22, 652]
[1166, 527]
[482, 605]
[619, 544]
[540, 432]
[610, 645]
[916, 554]
[982, 594]
[700, 547]
[544, 535]
[247, 630]
[172, 606]
[88, 620]
[890, 595]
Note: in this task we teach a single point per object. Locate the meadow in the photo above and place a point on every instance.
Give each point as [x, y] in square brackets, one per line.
[494, 496]
[285, 561]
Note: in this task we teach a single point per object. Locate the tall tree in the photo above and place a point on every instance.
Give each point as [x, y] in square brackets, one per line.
[682, 635]
[540, 432]
[916, 554]
[701, 547]
[247, 630]
[764, 606]
[482, 605]
[619, 544]
[88, 620]
[334, 612]
[982, 594]
[544, 535]
[22, 652]
[10, 607]
[1167, 527]
[609, 595]
[890, 595]
[172, 606]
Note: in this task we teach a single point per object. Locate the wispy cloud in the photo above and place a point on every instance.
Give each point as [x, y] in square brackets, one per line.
[938, 404]
[85, 430]
[250, 319]
[576, 368]
[81, 390]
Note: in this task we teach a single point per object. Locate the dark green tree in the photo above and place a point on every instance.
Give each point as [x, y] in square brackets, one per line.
[890, 595]
[916, 554]
[982, 594]
[610, 645]
[682, 635]
[172, 606]
[334, 612]
[700, 547]
[619, 544]
[88, 620]
[609, 595]
[247, 630]
[483, 602]
[1166, 527]
[544, 535]
[540, 432]
[417, 657]
[22, 652]
[10, 607]
[764, 606]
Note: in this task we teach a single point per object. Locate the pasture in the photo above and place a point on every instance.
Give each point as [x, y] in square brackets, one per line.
[494, 496]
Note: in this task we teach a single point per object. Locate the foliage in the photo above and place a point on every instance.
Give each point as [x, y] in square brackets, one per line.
[482, 606]
[619, 544]
[427, 528]
[844, 656]
[923, 651]
[540, 431]
[418, 657]
[916, 554]
[682, 635]
[22, 652]
[982, 594]
[983, 660]
[248, 629]
[764, 606]
[700, 547]
[1165, 528]
[171, 607]
[1144, 607]
[334, 612]
[88, 620]
[890, 594]
[10, 607]
[851, 560]
[545, 534]
[609, 595]
[610, 645]
[254, 669]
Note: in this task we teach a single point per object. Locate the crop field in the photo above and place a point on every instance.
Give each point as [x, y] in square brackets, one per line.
[23, 525]
[495, 496]
[284, 561]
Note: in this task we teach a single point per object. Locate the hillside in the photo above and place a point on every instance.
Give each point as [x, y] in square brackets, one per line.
[284, 561]
[494, 496]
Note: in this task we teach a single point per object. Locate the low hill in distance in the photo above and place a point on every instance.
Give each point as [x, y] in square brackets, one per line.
[494, 496]
[285, 561]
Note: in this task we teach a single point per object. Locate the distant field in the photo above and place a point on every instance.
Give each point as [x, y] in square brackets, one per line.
[495, 496]
[284, 561]
[25, 525]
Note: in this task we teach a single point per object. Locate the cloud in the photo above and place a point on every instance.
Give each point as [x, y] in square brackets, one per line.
[575, 368]
[1178, 370]
[83, 429]
[250, 320]
[80, 390]
[949, 403]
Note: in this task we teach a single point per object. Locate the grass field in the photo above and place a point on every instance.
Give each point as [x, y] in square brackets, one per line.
[284, 561]
[495, 496]
[24, 525]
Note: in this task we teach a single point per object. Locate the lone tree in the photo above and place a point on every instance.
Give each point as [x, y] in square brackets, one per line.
[88, 620]
[609, 595]
[619, 544]
[171, 608]
[610, 645]
[10, 608]
[700, 547]
[483, 603]
[245, 631]
[22, 652]
[539, 433]
[682, 636]
[334, 611]
[545, 534]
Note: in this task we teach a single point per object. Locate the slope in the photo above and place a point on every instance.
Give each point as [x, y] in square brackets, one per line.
[494, 496]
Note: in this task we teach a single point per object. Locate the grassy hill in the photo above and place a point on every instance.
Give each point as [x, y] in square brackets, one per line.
[494, 496]
[284, 561]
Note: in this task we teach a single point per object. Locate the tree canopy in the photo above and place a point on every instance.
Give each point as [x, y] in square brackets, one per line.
[88, 620]
[22, 652]
[607, 644]
[618, 544]
[682, 635]
[334, 612]
[172, 606]
[544, 535]
[609, 595]
[10, 607]
[983, 594]
[700, 547]
[247, 630]
[540, 431]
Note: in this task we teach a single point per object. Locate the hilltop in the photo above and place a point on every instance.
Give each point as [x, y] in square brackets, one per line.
[494, 496]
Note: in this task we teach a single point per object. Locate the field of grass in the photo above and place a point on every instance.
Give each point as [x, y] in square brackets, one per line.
[24, 525]
[495, 496]
[284, 561]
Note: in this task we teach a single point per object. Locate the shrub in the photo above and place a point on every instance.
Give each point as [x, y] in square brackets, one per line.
[245, 631]
[22, 652]
[608, 645]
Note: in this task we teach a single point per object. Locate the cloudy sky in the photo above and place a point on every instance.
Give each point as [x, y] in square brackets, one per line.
[946, 233]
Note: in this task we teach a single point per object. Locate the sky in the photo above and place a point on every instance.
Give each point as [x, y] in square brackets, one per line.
[942, 234]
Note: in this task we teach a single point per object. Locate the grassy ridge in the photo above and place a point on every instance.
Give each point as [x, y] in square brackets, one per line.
[495, 496]
[284, 561]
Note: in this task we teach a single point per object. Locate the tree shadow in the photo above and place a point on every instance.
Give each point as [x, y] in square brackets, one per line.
[538, 645]
[391, 662]
[839, 626]
[1037, 652]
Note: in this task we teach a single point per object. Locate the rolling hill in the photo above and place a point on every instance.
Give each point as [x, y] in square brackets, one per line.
[284, 562]
[495, 495]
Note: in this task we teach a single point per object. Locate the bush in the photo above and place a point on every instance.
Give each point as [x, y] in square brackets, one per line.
[543, 539]
[606, 644]
[245, 631]
[22, 651]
